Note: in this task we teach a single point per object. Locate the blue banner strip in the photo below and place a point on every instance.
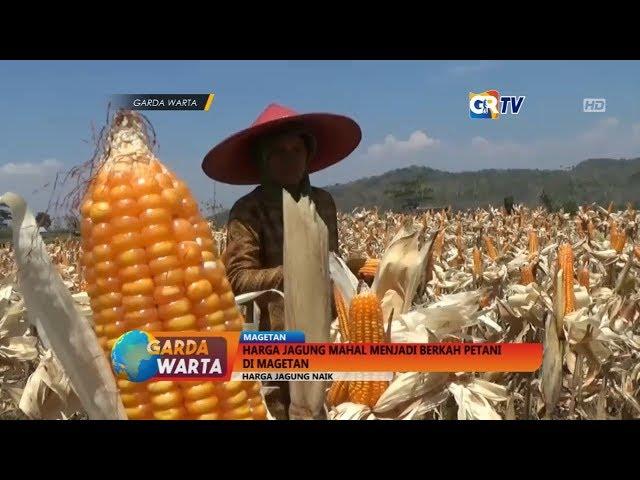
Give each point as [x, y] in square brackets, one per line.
[285, 336]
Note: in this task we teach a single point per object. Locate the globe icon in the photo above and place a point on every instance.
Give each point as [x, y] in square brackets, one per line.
[131, 359]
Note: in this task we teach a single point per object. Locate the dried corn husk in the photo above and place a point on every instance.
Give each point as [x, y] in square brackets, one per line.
[61, 328]
[306, 301]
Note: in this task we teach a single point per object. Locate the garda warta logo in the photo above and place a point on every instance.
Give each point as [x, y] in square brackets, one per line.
[490, 104]
[140, 356]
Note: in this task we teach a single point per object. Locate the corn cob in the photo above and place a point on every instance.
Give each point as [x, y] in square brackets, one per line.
[491, 249]
[533, 242]
[362, 324]
[343, 317]
[366, 326]
[339, 390]
[565, 262]
[369, 269]
[338, 393]
[526, 274]
[149, 264]
[477, 262]
[583, 277]
[590, 229]
[613, 234]
[365, 319]
[460, 247]
[622, 240]
[617, 238]
[355, 262]
[636, 251]
[439, 243]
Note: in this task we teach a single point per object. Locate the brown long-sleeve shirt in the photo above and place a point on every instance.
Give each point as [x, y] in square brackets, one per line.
[254, 253]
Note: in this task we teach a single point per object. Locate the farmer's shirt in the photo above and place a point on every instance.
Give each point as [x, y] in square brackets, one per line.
[254, 253]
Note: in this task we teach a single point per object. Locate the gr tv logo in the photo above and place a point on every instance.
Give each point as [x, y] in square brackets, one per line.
[491, 104]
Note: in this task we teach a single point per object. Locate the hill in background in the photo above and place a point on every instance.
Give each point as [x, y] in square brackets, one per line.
[595, 180]
[600, 180]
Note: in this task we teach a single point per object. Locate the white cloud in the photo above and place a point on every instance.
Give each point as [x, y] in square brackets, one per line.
[479, 142]
[606, 137]
[45, 167]
[34, 181]
[416, 142]
[499, 151]
[601, 131]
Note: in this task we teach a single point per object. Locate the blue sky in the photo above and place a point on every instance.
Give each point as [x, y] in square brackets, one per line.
[410, 113]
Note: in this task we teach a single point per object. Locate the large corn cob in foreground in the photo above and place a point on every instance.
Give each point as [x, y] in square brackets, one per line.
[149, 264]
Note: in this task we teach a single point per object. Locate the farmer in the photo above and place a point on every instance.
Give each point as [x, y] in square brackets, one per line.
[278, 151]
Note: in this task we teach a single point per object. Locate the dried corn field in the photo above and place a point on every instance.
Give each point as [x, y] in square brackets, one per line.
[570, 282]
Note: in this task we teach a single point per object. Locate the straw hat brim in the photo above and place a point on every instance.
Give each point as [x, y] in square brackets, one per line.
[232, 162]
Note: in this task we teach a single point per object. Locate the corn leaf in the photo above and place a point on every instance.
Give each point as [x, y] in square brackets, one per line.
[551, 366]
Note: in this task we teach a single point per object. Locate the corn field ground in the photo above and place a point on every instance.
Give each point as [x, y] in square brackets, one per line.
[570, 282]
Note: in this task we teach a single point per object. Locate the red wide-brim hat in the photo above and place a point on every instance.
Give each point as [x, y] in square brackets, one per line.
[232, 161]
